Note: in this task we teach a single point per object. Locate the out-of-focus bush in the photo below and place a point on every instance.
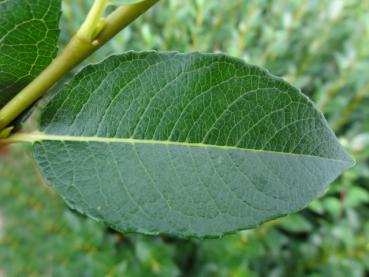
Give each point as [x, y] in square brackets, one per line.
[320, 46]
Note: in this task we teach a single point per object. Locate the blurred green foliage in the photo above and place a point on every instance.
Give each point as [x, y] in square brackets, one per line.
[320, 46]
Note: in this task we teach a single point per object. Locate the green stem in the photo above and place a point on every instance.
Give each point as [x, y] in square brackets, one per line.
[89, 26]
[78, 49]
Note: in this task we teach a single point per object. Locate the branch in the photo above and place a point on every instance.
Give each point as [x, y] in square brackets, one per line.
[82, 45]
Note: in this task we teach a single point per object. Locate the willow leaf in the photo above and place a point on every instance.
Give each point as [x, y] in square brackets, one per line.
[28, 37]
[186, 144]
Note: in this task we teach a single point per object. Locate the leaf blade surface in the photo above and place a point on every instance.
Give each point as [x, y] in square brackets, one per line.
[186, 144]
[28, 42]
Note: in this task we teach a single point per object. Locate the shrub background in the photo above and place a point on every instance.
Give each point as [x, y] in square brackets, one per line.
[320, 46]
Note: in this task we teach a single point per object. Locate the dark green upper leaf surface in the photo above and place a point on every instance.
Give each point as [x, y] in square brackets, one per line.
[186, 144]
[28, 42]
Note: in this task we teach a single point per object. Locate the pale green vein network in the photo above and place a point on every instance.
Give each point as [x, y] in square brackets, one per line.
[186, 144]
[28, 42]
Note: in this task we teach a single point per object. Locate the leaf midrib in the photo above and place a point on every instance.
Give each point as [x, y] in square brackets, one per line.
[39, 136]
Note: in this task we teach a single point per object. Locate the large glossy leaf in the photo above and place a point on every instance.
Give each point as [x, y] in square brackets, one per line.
[186, 144]
[28, 37]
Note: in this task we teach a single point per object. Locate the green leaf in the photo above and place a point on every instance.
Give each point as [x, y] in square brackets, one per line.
[28, 38]
[356, 196]
[296, 224]
[186, 144]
